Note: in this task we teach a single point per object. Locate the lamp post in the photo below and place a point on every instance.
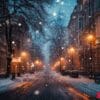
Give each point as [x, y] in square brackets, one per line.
[71, 52]
[15, 68]
[38, 64]
[24, 57]
[90, 39]
[61, 61]
[19, 67]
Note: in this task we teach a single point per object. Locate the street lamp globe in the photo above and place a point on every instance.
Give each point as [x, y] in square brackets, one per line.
[90, 38]
[71, 50]
[61, 58]
[37, 62]
[23, 54]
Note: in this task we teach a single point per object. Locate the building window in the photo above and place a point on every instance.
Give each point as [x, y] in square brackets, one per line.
[80, 23]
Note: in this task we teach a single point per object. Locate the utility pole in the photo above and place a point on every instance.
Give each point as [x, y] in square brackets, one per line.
[91, 60]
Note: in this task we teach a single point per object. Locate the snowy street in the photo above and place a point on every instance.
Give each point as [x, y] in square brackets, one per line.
[41, 86]
[83, 84]
[8, 84]
[49, 49]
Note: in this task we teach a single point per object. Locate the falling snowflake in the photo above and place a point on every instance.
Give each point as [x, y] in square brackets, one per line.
[36, 92]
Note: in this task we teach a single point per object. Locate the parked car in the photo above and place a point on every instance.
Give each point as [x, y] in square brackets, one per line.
[84, 73]
[97, 78]
[74, 74]
[66, 72]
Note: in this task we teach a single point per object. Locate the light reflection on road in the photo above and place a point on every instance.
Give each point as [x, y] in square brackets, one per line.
[44, 87]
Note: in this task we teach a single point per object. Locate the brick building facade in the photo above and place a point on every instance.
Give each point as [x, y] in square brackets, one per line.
[85, 20]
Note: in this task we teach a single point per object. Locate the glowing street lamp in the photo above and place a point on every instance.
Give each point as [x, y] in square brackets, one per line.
[23, 54]
[90, 38]
[71, 50]
[24, 57]
[61, 59]
[38, 64]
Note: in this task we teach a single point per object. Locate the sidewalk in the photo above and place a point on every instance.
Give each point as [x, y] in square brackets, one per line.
[85, 85]
[8, 84]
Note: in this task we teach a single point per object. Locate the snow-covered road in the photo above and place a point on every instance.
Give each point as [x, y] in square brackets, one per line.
[82, 84]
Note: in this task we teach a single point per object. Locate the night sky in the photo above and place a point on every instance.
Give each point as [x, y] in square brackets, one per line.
[47, 21]
[57, 18]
